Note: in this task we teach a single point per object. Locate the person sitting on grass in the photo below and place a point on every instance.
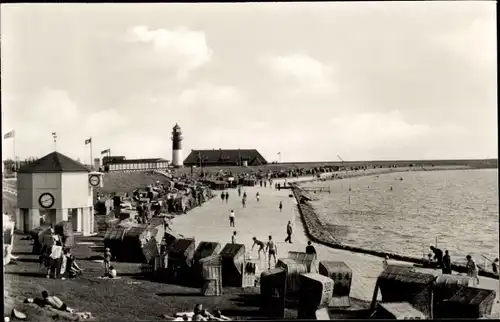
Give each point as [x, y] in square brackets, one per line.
[55, 302]
[112, 272]
[72, 270]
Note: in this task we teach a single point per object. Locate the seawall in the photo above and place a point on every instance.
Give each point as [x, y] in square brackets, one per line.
[317, 233]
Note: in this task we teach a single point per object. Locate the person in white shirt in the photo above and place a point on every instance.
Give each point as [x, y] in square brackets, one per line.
[55, 260]
[231, 219]
[112, 272]
[233, 238]
[472, 270]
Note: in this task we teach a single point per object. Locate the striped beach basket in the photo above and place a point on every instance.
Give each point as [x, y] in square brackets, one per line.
[272, 293]
[341, 275]
[315, 293]
[293, 271]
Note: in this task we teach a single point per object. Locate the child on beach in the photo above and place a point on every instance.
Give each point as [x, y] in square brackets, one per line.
[231, 218]
[107, 261]
[472, 270]
[257, 195]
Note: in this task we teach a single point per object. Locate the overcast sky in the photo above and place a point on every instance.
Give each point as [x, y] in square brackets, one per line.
[367, 81]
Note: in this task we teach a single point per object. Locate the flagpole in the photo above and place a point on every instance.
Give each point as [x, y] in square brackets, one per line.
[91, 160]
[15, 159]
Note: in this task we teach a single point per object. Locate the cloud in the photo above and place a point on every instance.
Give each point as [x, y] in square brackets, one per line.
[375, 130]
[181, 50]
[53, 110]
[476, 42]
[306, 71]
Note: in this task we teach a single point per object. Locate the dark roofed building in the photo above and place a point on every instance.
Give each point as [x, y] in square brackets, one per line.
[233, 157]
[52, 163]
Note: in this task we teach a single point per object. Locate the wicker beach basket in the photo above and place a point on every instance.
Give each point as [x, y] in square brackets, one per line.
[113, 240]
[445, 287]
[315, 293]
[272, 293]
[340, 273]
[293, 270]
[233, 259]
[206, 249]
[211, 273]
[308, 259]
[403, 284]
[469, 302]
[133, 241]
[151, 250]
[182, 251]
[397, 311]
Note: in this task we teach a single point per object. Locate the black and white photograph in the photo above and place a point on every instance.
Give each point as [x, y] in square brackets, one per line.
[250, 161]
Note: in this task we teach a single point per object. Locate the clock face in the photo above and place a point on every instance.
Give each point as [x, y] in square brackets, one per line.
[94, 180]
[46, 200]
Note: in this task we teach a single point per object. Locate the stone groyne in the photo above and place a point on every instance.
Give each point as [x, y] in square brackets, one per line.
[318, 233]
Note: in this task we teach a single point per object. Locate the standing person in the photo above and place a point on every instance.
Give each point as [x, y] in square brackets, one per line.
[239, 191]
[222, 196]
[244, 202]
[310, 248]
[64, 261]
[233, 238]
[257, 195]
[107, 261]
[281, 206]
[289, 231]
[472, 270]
[244, 194]
[260, 181]
[260, 244]
[494, 266]
[227, 196]
[231, 218]
[265, 184]
[446, 263]
[385, 262]
[272, 249]
[438, 256]
[55, 260]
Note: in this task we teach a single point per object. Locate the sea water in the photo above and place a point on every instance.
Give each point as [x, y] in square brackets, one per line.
[456, 208]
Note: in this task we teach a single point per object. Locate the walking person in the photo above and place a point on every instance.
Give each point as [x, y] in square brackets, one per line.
[244, 202]
[260, 244]
[272, 250]
[239, 191]
[281, 206]
[446, 263]
[233, 238]
[107, 261]
[472, 270]
[244, 194]
[260, 183]
[231, 218]
[265, 184]
[227, 196]
[222, 196]
[289, 231]
[257, 195]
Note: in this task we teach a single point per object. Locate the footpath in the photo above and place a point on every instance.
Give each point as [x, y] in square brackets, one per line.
[260, 219]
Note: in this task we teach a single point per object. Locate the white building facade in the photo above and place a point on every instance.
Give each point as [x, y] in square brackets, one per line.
[54, 189]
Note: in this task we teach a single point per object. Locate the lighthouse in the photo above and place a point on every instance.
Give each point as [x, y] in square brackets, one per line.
[177, 146]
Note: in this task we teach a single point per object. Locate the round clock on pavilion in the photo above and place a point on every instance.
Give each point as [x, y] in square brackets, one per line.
[46, 200]
[94, 180]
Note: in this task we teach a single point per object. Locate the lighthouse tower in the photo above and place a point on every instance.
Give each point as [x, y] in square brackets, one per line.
[177, 146]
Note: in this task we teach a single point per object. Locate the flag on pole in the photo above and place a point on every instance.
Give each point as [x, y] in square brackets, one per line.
[9, 135]
[54, 134]
[88, 141]
[105, 151]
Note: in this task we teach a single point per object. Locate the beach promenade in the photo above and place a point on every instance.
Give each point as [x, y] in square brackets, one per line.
[261, 219]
